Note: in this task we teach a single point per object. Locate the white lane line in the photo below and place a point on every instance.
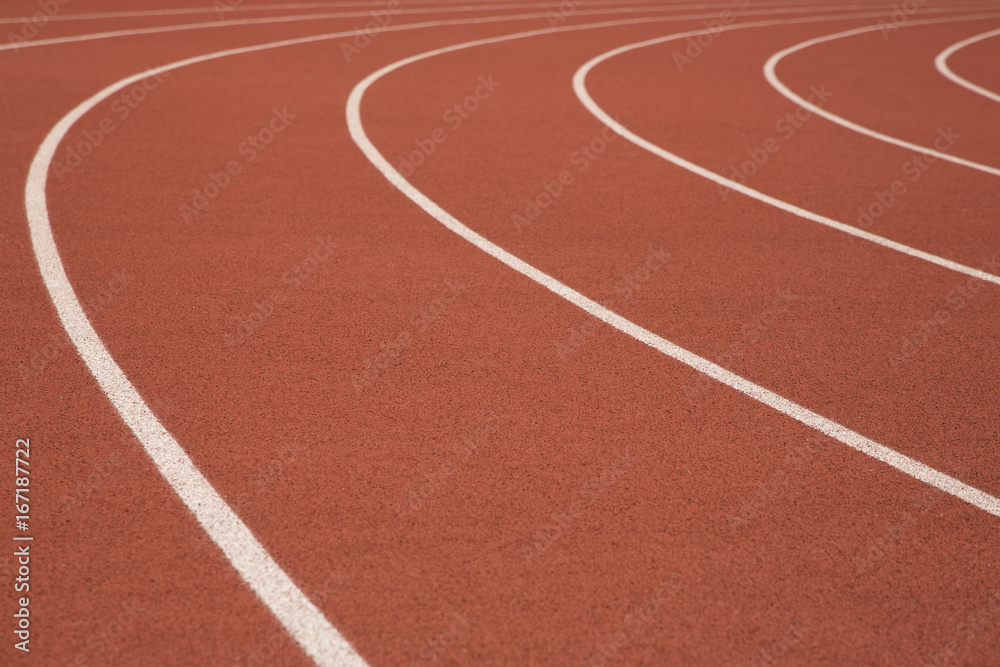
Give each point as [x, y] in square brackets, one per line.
[292, 18]
[273, 586]
[778, 85]
[903, 463]
[14, 45]
[299, 616]
[941, 63]
[580, 87]
[407, 6]
[17, 45]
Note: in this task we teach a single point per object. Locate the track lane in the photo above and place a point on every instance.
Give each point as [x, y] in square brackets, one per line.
[941, 63]
[415, 590]
[973, 62]
[124, 28]
[887, 455]
[22, 135]
[559, 237]
[222, 13]
[770, 73]
[385, 25]
[880, 323]
[735, 178]
[423, 546]
[850, 166]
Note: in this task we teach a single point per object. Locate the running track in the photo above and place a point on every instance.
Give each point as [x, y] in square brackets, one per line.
[631, 359]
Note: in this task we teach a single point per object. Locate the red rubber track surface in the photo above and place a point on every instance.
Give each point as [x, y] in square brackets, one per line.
[972, 63]
[514, 483]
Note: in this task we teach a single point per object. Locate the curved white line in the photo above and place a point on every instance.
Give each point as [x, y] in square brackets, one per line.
[777, 84]
[903, 463]
[299, 616]
[941, 63]
[374, 4]
[291, 18]
[580, 87]
[307, 625]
